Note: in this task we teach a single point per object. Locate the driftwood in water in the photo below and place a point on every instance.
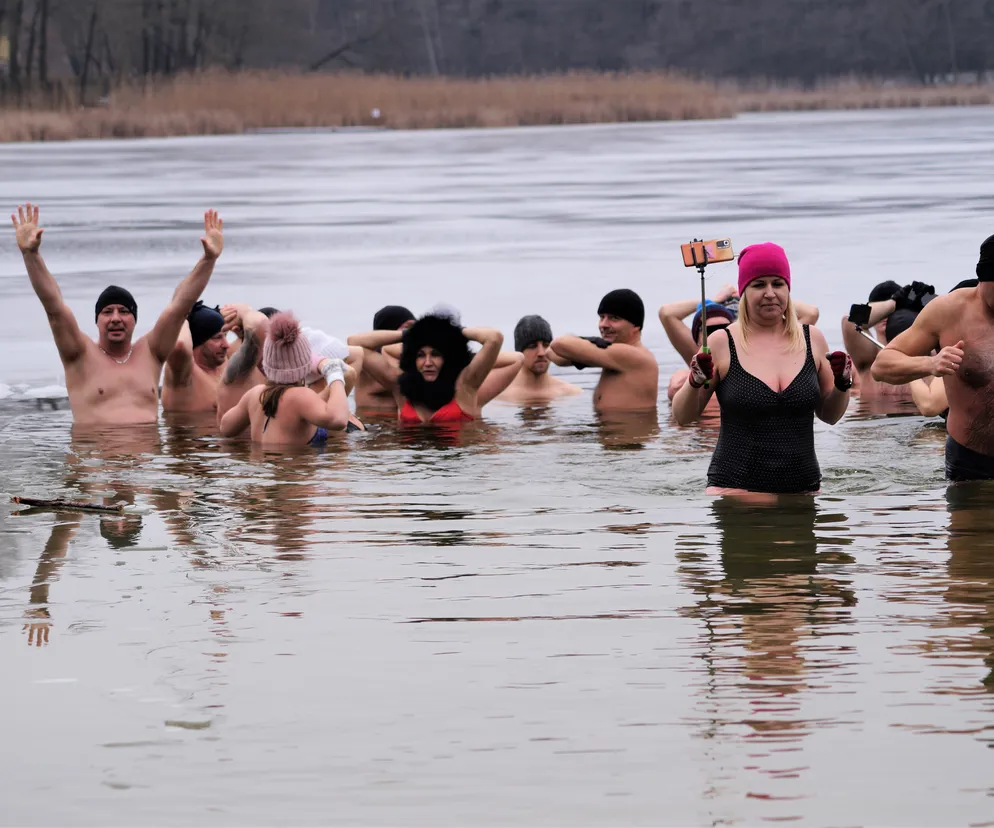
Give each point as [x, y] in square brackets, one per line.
[67, 505]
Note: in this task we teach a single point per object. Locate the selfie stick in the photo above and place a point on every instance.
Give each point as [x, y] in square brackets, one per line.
[704, 328]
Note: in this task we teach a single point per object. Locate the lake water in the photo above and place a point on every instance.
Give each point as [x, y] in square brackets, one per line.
[543, 620]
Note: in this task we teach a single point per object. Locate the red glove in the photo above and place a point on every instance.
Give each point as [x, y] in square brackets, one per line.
[841, 364]
[701, 369]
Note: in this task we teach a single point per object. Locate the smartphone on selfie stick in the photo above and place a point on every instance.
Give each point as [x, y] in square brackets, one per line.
[859, 315]
[700, 254]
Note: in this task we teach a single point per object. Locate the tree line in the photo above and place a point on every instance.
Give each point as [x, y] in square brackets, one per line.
[86, 44]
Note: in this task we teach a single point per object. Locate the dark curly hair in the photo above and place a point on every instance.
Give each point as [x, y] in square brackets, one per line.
[441, 333]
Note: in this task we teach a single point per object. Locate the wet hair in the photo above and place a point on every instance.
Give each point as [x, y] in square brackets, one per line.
[268, 312]
[271, 395]
[441, 333]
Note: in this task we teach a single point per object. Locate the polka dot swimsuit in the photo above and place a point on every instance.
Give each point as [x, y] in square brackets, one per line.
[767, 441]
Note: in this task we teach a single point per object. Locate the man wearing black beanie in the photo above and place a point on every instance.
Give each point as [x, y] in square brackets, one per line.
[194, 368]
[368, 392]
[630, 375]
[114, 381]
[960, 327]
[533, 383]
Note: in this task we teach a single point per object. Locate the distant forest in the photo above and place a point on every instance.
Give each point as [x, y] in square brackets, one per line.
[84, 43]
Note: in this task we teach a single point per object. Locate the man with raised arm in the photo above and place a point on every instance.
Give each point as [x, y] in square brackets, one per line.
[114, 381]
[193, 370]
[960, 328]
[630, 375]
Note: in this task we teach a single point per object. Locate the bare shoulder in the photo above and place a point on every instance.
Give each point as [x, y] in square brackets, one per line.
[718, 341]
[636, 354]
[819, 345]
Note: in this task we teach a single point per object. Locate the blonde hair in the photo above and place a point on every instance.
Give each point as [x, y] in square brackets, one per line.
[791, 326]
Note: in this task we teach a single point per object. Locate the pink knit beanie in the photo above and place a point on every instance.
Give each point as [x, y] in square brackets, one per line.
[286, 356]
[767, 259]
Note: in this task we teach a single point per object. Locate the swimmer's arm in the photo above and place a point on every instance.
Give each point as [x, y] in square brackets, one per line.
[555, 359]
[162, 337]
[69, 339]
[380, 368]
[500, 377]
[671, 316]
[179, 366]
[806, 314]
[929, 395]
[375, 340]
[833, 402]
[862, 351]
[615, 357]
[689, 402]
[472, 377]
[255, 329]
[907, 357]
[328, 410]
[236, 420]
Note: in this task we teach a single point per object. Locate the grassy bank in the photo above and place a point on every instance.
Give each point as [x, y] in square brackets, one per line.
[218, 103]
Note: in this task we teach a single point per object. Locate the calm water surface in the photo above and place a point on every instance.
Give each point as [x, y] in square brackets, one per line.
[542, 619]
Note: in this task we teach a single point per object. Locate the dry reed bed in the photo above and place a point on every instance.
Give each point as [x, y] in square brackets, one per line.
[214, 103]
[845, 95]
[217, 103]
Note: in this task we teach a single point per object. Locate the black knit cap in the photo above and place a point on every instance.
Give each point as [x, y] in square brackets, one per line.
[625, 304]
[884, 291]
[898, 322]
[529, 330]
[391, 317]
[114, 295]
[985, 265]
[204, 323]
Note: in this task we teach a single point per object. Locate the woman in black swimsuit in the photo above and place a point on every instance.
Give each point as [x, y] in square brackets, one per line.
[772, 375]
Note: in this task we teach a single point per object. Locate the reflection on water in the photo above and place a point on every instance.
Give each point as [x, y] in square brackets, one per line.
[538, 613]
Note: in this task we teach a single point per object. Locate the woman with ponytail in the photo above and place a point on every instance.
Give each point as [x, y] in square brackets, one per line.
[284, 411]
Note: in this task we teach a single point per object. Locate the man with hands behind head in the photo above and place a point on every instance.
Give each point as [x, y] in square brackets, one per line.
[114, 381]
[960, 326]
[193, 370]
[630, 376]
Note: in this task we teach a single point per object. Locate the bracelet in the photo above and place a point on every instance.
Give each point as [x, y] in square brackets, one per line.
[842, 384]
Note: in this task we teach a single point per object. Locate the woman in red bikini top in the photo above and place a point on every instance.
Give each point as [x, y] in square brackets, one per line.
[439, 379]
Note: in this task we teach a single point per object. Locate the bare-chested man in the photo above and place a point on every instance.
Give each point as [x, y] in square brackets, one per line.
[630, 377]
[114, 381]
[193, 370]
[369, 393]
[533, 384]
[960, 326]
[243, 370]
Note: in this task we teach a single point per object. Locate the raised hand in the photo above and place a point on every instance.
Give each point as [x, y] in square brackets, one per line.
[701, 370]
[213, 238]
[27, 229]
[725, 293]
[232, 318]
[841, 364]
[948, 360]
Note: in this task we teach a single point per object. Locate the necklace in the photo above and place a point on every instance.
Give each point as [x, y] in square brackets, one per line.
[120, 361]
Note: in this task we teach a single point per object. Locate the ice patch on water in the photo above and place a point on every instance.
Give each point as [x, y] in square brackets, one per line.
[28, 393]
[6, 392]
